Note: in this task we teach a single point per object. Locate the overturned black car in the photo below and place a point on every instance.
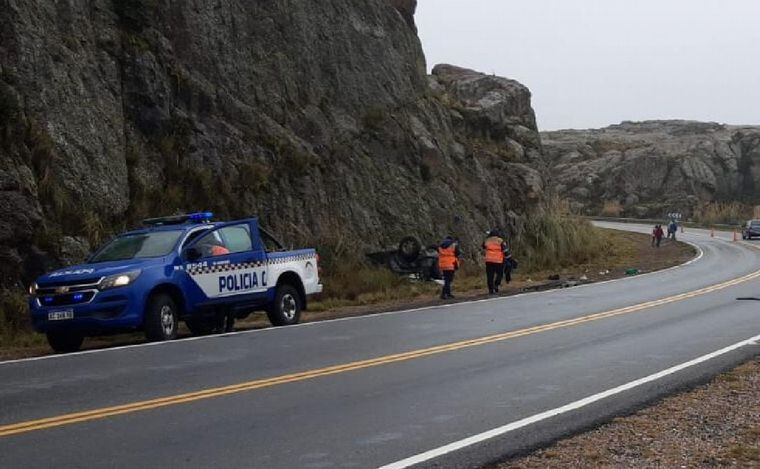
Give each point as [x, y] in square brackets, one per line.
[410, 258]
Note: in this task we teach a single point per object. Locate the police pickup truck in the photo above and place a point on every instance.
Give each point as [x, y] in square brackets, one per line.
[182, 268]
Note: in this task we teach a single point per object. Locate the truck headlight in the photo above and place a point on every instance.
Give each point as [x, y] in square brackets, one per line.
[33, 288]
[119, 280]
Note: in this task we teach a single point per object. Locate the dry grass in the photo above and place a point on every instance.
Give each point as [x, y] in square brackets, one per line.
[15, 328]
[729, 213]
[611, 208]
[555, 239]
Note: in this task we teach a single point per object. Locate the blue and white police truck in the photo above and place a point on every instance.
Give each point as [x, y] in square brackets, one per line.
[181, 268]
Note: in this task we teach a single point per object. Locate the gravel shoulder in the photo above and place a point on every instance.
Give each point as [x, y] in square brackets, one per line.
[713, 425]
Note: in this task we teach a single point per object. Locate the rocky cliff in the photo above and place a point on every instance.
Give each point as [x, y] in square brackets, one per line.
[653, 167]
[317, 116]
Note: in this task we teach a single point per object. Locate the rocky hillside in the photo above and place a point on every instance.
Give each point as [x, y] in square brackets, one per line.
[317, 116]
[653, 167]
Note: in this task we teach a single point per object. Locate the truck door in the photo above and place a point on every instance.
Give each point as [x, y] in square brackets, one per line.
[231, 269]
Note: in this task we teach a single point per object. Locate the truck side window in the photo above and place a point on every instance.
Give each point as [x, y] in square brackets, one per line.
[192, 236]
[237, 238]
[211, 244]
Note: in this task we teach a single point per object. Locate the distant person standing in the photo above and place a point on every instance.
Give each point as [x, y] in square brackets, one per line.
[494, 247]
[510, 264]
[672, 230]
[658, 235]
[448, 263]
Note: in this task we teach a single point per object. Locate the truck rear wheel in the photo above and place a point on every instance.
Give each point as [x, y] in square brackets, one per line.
[65, 342]
[286, 308]
[161, 318]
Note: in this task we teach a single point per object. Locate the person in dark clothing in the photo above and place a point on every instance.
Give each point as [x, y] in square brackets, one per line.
[224, 320]
[494, 247]
[509, 265]
[448, 263]
[672, 230]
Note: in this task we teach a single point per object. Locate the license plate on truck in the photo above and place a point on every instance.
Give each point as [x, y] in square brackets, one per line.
[61, 315]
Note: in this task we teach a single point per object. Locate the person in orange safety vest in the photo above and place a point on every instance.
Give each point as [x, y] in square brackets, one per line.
[448, 263]
[494, 247]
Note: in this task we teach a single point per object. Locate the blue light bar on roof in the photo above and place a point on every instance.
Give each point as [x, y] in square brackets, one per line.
[201, 216]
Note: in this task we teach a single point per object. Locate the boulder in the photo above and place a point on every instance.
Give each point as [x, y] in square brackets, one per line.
[654, 167]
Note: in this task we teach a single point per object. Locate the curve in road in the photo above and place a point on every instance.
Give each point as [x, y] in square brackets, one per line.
[404, 383]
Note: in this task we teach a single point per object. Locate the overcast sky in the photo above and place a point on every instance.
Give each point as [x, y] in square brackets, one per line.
[591, 63]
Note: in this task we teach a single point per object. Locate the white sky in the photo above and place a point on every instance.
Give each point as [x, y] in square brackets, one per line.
[591, 63]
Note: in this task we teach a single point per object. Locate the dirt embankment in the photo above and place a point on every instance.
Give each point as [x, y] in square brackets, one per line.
[715, 425]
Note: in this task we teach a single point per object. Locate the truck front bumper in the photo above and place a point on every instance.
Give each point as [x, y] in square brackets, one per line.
[108, 311]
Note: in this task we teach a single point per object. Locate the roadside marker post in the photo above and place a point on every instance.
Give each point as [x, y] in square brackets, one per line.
[735, 237]
[712, 232]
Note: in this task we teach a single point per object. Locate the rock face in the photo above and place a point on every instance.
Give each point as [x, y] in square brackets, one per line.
[316, 116]
[653, 167]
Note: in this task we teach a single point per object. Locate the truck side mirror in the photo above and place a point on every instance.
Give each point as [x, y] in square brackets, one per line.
[192, 254]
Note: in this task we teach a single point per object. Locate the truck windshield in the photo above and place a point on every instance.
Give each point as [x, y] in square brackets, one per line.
[138, 246]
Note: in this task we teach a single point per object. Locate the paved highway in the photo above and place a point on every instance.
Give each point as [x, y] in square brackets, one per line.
[452, 386]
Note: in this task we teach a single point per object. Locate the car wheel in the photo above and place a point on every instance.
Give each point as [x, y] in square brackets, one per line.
[286, 309]
[200, 326]
[409, 248]
[161, 318]
[65, 342]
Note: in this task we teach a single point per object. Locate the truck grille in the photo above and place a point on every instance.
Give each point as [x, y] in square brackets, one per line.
[67, 293]
[67, 299]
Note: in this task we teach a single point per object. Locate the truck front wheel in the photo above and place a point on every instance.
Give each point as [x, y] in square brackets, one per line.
[286, 308]
[161, 318]
[65, 342]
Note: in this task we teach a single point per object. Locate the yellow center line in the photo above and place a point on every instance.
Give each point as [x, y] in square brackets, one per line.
[94, 414]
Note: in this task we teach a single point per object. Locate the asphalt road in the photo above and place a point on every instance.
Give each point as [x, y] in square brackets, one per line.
[376, 390]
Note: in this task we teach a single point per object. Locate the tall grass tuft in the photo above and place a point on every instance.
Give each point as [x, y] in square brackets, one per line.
[611, 208]
[730, 213]
[553, 238]
[14, 317]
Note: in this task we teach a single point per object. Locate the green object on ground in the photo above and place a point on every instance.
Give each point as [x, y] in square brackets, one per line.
[632, 272]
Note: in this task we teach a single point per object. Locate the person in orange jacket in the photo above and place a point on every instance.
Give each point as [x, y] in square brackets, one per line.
[448, 263]
[494, 247]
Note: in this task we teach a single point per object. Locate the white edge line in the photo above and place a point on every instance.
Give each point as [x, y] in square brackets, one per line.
[352, 318]
[481, 437]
